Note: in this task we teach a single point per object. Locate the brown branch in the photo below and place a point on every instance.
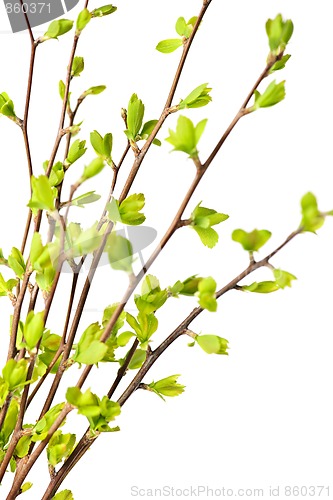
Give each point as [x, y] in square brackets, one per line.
[86, 441]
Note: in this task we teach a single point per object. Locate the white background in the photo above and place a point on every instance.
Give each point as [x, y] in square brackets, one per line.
[262, 416]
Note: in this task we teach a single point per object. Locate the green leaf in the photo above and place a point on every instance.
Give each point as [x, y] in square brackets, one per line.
[168, 386]
[206, 294]
[120, 253]
[58, 27]
[170, 45]
[15, 373]
[124, 338]
[99, 412]
[82, 20]
[82, 242]
[42, 194]
[197, 98]
[212, 344]
[152, 297]
[63, 495]
[283, 278]
[60, 447]
[312, 218]
[94, 168]
[96, 141]
[208, 236]
[207, 217]
[280, 64]
[22, 447]
[6, 106]
[201, 221]
[102, 146]
[108, 143]
[262, 287]
[279, 33]
[181, 26]
[135, 113]
[186, 136]
[274, 94]
[75, 152]
[77, 66]
[57, 173]
[103, 11]
[9, 423]
[190, 286]
[33, 328]
[147, 129]
[85, 198]
[129, 210]
[137, 359]
[26, 486]
[90, 350]
[45, 423]
[62, 89]
[16, 262]
[252, 241]
[98, 89]
[184, 28]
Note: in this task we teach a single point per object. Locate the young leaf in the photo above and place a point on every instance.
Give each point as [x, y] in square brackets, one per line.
[280, 64]
[186, 136]
[201, 221]
[212, 344]
[103, 11]
[42, 194]
[94, 168]
[57, 173]
[57, 28]
[262, 287]
[82, 20]
[137, 360]
[75, 152]
[181, 26]
[170, 45]
[120, 253]
[26, 486]
[84, 199]
[206, 294]
[60, 447]
[135, 113]
[198, 98]
[168, 386]
[77, 66]
[62, 88]
[15, 372]
[312, 218]
[253, 241]
[90, 350]
[98, 89]
[283, 278]
[147, 129]
[129, 210]
[63, 495]
[184, 28]
[33, 328]
[16, 262]
[6, 287]
[102, 146]
[274, 94]
[6, 106]
[279, 33]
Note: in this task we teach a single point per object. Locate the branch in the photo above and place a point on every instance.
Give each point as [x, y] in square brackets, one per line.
[86, 441]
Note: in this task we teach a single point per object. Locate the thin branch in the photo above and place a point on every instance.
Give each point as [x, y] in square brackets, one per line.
[86, 441]
[32, 39]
